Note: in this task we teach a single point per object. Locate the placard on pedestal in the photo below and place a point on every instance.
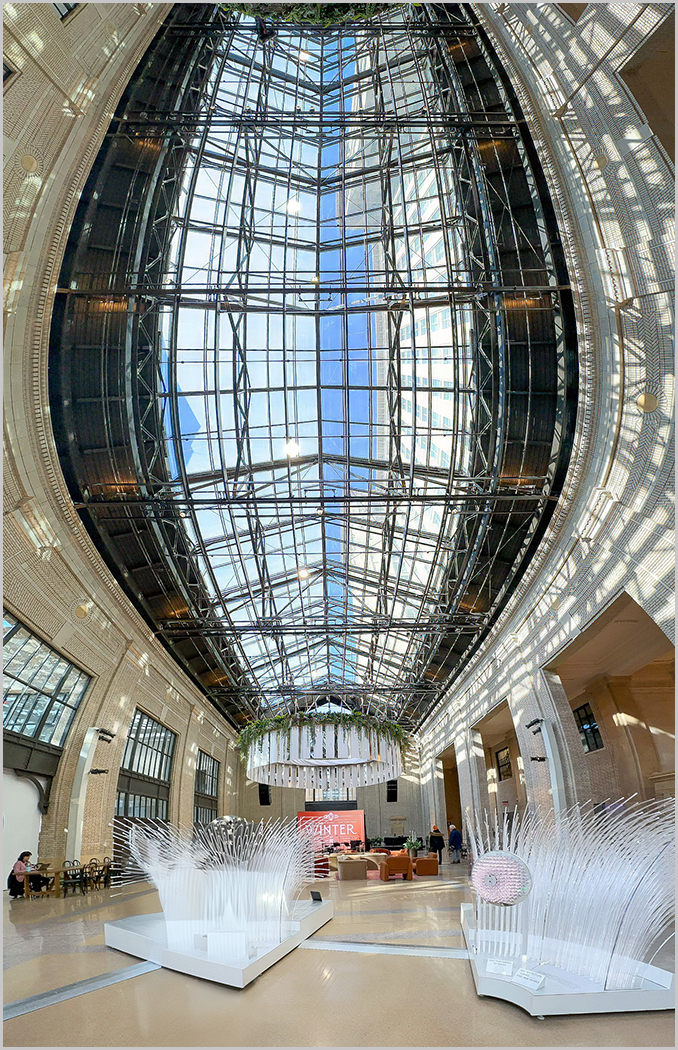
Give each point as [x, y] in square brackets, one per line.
[213, 955]
[545, 990]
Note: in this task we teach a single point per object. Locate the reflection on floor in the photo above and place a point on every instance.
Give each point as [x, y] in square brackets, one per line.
[389, 970]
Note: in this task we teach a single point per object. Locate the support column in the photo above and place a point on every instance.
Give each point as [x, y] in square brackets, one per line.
[184, 763]
[555, 707]
[472, 773]
[439, 814]
[228, 794]
[635, 754]
[76, 810]
[562, 779]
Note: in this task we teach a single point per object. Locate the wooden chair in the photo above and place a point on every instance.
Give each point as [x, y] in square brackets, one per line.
[74, 877]
[94, 873]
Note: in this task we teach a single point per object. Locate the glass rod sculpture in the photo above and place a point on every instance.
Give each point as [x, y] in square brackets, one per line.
[229, 886]
[601, 901]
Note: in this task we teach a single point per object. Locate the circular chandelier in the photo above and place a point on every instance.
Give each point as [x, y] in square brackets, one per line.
[323, 755]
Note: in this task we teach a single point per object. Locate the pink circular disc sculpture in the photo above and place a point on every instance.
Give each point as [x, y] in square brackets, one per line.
[500, 877]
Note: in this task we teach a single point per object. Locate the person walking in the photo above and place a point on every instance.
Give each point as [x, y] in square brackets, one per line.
[455, 845]
[436, 843]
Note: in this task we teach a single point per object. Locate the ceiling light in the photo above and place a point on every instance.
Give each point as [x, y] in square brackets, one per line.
[293, 206]
[302, 573]
[647, 402]
[315, 279]
[304, 56]
[311, 758]
[291, 448]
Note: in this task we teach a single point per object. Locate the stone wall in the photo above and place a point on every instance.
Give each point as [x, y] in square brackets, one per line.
[69, 75]
[612, 186]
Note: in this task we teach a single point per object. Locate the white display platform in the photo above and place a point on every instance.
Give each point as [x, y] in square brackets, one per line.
[561, 992]
[146, 937]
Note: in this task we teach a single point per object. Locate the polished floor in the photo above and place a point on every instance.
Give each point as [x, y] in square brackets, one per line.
[389, 970]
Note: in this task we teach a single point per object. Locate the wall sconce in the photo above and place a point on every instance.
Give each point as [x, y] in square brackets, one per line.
[537, 758]
[105, 735]
[94, 772]
[535, 722]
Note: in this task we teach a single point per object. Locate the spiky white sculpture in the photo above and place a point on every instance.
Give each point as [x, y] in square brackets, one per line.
[227, 888]
[601, 899]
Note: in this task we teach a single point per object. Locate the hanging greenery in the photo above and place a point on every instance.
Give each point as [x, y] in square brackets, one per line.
[383, 728]
[310, 14]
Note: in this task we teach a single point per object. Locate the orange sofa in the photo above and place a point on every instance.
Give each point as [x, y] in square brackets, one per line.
[395, 866]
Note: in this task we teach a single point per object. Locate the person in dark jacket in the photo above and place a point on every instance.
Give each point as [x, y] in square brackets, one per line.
[436, 843]
[455, 845]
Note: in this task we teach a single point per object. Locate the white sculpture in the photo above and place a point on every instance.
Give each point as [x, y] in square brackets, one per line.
[228, 892]
[592, 895]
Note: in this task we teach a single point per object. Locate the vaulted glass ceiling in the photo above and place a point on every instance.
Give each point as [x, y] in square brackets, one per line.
[327, 395]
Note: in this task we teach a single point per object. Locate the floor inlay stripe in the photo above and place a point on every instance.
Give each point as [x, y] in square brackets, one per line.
[387, 935]
[70, 991]
[387, 949]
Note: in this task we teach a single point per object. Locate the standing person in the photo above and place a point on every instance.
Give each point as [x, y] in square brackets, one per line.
[436, 843]
[455, 845]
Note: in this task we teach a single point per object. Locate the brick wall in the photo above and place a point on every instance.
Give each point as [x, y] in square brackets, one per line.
[70, 75]
[611, 532]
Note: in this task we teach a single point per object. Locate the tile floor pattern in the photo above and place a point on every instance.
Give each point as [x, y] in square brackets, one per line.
[319, 997]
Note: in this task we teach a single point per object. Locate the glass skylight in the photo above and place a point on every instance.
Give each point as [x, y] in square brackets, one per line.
[299, 375]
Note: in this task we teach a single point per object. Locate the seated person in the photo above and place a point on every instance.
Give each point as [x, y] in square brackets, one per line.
[15, 881]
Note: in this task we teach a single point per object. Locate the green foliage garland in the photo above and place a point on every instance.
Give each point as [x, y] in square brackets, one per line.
[254, 731]
[310, 14]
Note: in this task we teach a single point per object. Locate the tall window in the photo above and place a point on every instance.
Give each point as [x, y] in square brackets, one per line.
[206, 789]
[143, 781]
[41, 689]
[504, 764]
[131, 804]
[391, 790]
[63, 9]
[331, 794]
[588, 728]
[149, 748]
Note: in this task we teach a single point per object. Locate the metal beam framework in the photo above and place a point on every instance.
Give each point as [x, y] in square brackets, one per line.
[327, 388]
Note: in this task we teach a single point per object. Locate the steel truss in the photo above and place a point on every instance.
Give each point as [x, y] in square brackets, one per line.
[353, 252]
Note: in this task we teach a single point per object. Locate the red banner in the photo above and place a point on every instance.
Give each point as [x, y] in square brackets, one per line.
[346, 826]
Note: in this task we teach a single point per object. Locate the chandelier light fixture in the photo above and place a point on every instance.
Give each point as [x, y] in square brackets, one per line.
[328, 751]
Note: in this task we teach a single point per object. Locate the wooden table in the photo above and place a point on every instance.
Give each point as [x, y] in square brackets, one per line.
[54, 890]
[56, 873]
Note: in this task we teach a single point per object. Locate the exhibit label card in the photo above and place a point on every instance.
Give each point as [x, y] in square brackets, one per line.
[499, 966]
[528, 978]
